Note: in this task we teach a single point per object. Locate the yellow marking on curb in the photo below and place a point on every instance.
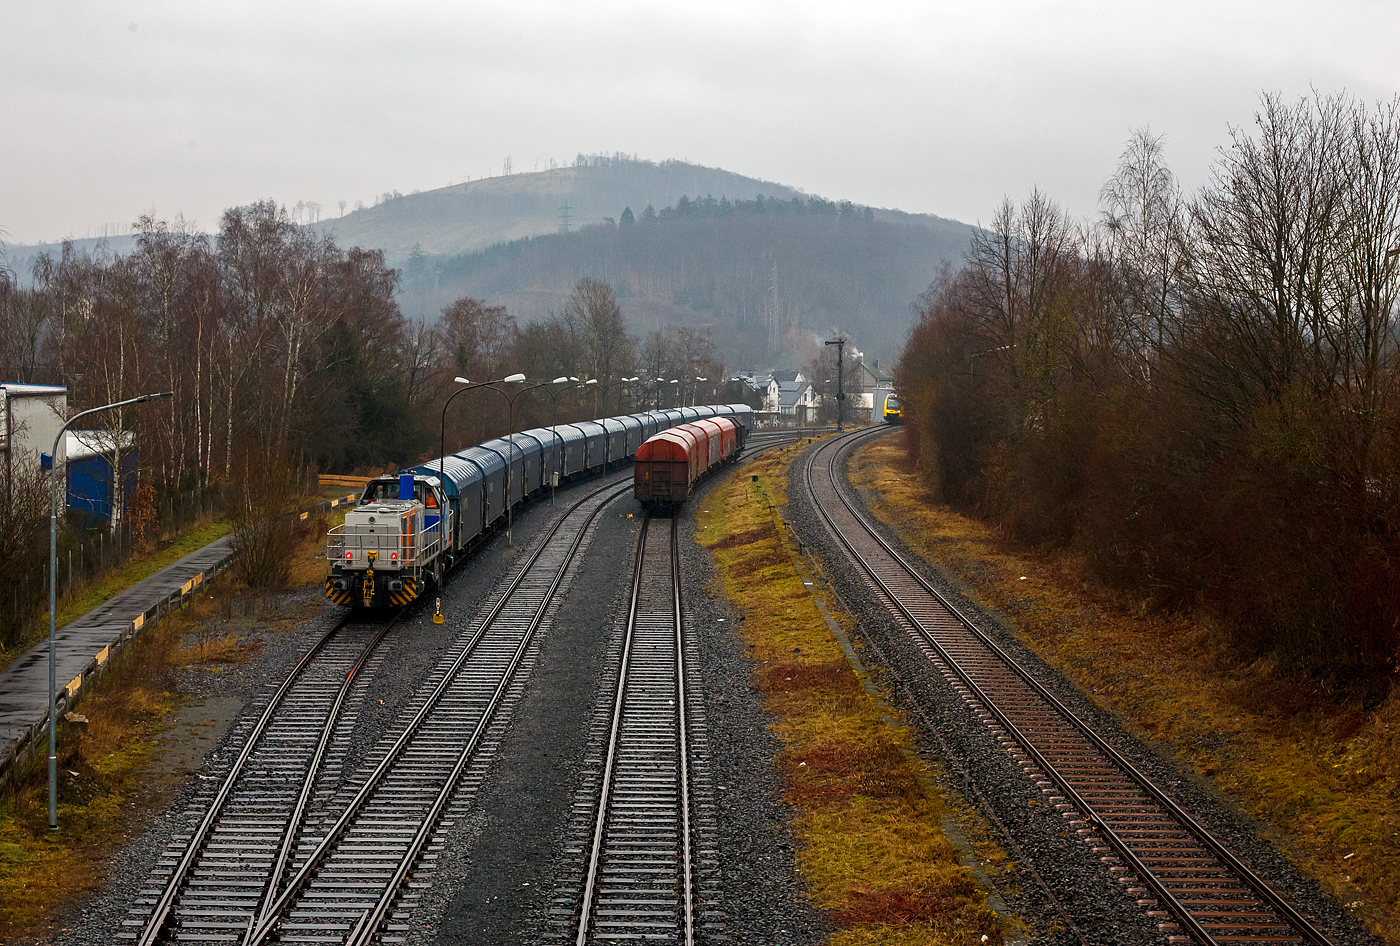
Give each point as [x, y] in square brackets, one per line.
[137, 624]
[73, 685]
[103, 654]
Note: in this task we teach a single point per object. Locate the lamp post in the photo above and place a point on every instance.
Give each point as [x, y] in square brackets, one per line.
[510, 446]
[554, 430]
[53, 588]
[607, 453]
[442, 431]
[612, 384]
[510, 449]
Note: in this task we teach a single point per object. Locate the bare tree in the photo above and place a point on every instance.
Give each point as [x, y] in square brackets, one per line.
[1264, 273]
[1371, 280]
[422, 350]
[479, 338]
[249, 246]
[1143, 214]
[1014, 297]
[593, 316]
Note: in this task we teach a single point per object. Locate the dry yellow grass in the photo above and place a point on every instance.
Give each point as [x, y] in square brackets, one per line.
[106, 774]
[100, 787]
[871, 847]
[1324, 777]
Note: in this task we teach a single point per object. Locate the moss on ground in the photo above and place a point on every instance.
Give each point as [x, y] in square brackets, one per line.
[871, 847]
[1324, 777]
[106, 780]
[114, 582]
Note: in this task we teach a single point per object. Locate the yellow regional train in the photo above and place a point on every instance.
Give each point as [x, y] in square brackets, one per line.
[892, 414]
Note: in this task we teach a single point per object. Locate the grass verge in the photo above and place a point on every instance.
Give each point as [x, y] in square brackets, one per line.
[115, 582]
[871, 848]
[116, 772]
[1325, 777]
[104, 783]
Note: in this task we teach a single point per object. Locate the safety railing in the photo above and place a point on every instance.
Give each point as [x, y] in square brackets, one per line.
[392, 549]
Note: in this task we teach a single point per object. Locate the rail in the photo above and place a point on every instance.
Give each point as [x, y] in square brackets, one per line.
[483, 669]
[1162, 885]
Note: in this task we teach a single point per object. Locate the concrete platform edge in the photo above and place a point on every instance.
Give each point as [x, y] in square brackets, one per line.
[70, 695]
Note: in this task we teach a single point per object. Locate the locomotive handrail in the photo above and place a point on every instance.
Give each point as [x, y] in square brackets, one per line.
[338, 541]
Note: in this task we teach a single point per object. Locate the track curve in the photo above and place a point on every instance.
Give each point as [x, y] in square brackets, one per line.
[1164, 858]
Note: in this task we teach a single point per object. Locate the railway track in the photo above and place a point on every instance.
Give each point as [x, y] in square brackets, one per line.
[338, 878]
[644, 827]
[218, 878]
[1169, 863]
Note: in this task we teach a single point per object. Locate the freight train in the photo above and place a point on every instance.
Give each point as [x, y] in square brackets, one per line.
[669, 464]
[411, 527]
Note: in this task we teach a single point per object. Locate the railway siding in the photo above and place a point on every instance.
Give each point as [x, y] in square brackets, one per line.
[925, 694]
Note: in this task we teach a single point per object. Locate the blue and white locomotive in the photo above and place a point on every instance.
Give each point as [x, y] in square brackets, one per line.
[410, 528]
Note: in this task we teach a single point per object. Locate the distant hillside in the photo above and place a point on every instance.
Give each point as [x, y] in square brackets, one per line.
[20, 258]
[478, 214]
[768, 279]
[467, 217]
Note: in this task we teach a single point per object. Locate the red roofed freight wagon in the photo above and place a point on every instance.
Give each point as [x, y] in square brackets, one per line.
[668, 465]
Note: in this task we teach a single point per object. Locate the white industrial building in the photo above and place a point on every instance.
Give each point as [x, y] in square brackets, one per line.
[31, 415]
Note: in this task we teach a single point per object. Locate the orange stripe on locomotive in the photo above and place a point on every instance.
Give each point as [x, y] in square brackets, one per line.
[668, 465]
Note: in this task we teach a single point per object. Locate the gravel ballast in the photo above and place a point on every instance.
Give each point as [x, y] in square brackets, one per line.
[491, 879]
[1064, 892]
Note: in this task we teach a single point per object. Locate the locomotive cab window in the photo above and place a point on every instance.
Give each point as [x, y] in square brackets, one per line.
[378, 492]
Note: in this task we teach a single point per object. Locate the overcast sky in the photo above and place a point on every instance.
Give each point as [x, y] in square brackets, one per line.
[115, 109]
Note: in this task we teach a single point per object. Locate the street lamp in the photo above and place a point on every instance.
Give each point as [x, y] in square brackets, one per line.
[442, 431]
[553, 429]
[511, 379]
[612, 384]
[510, 445]
[53, 587]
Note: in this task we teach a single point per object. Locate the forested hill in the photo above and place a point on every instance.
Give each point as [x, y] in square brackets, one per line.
[766, 277]
[477, 214]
